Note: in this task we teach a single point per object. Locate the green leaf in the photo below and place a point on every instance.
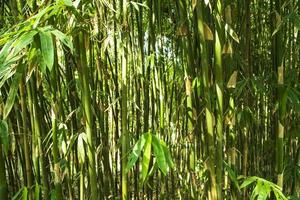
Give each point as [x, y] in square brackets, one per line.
[248, 181]
[160, 155]
[47, 49]
[63, 38]
[4, 52]
[136, 151]
[13, 92]
[22, 42]
[232, 175]
[71, 143]
[167, 154]
[4, 135]
[146, 157]
[40, 14]
[68, 3]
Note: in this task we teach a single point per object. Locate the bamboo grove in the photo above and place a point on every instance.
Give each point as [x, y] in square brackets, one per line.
[149, 99]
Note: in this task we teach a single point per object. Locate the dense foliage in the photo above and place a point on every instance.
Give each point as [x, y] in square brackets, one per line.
[149, 99]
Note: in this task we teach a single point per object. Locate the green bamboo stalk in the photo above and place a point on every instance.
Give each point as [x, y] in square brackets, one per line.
[82, 46]
[124, 136]
[208, 109]
[219, 41]
[281, 100]
[38, 137]
[29, 175]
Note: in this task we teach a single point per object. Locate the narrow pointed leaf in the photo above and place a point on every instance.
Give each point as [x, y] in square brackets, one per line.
[63, 38]
[167, 154]
[47, 49]
[160, 155]
[136, 152]
[12, 92]
[23, 41]
[146, 157]
[248, 181]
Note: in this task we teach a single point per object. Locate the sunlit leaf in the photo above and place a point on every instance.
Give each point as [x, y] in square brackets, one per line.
[23, 41]
[160, 155]
[146, 156]
[47, 49]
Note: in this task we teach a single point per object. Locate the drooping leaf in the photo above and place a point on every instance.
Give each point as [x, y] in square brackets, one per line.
[47, 49]
[72, 141]
[160, 155]
[146, 157]
[232, 175]
[22, 42]
[40, 14]
[136, 152]
[248, 181]
[13, 91]
[4, 52]
[63, 38]
[167, 154]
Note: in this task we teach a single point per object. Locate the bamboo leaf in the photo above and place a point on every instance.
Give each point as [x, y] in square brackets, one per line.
[47, 49]
[167, 154]
[68, 3]
[22, 42]
[146, 157]
[13, 92]
[159, 154]
[248, 181]
[63, 38]
[136, 151]
[232, 175]
[4, 135]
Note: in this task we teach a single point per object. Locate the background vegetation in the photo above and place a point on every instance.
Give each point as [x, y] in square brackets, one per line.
[149, 99]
